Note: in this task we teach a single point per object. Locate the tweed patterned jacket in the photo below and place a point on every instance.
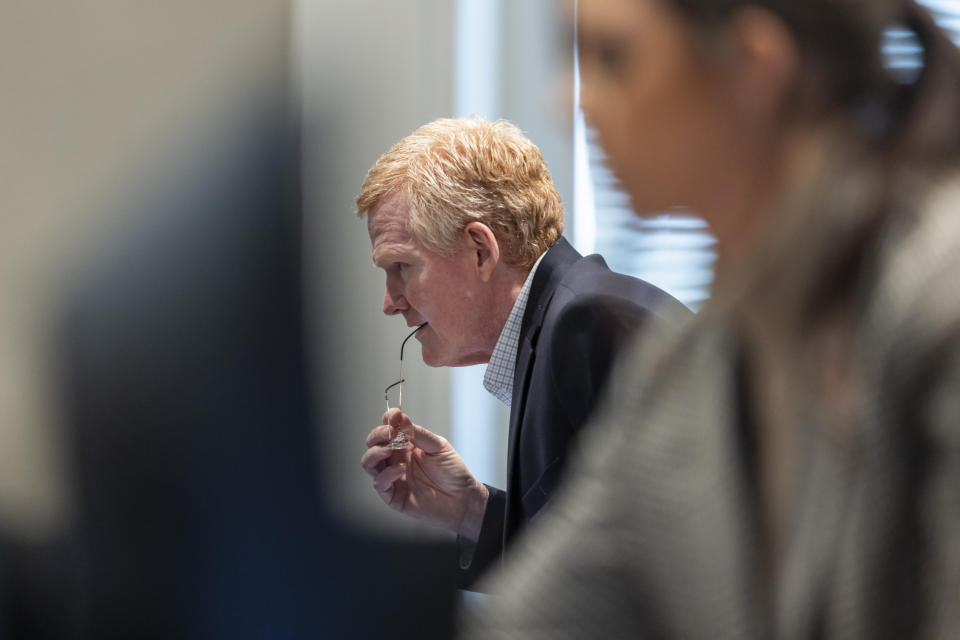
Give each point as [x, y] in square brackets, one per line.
[658, 532]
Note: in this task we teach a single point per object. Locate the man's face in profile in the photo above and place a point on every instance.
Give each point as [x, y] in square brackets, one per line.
[424, 286]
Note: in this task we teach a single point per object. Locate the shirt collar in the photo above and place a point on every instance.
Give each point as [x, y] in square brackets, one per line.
[498, 378]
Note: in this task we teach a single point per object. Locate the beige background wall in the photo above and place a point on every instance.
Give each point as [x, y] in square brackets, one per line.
[99, 97]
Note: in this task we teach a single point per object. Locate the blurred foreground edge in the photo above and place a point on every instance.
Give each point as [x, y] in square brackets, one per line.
[187, 423]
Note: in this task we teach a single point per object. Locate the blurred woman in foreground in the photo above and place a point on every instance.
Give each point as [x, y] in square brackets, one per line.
[790, 466]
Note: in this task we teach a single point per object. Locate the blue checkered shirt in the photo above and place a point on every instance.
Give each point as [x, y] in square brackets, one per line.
[498, 378]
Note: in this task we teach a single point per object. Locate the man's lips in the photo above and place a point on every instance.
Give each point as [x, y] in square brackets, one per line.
[403, 344]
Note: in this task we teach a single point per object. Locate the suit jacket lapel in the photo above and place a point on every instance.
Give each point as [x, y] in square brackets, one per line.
[549, 274]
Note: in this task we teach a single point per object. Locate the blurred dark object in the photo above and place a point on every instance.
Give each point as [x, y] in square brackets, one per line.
[188, 412]
[199, 514]
[187, 419]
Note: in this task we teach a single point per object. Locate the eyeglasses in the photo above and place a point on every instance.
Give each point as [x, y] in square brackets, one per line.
[400, 440]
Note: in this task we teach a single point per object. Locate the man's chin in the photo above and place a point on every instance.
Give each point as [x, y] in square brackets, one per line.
[450, 362]
[440, 360]
[433, 362]
[430, 356]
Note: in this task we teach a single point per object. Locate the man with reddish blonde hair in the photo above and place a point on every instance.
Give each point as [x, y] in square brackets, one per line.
[466, 224]
[457, 171]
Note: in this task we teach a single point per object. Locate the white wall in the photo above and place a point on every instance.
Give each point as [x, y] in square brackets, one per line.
[371, 72]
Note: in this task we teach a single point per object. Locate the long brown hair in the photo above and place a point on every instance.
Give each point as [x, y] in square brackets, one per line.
[799, 300]
[841, 43]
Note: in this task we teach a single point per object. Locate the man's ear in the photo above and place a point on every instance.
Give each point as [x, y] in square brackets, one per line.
[484, 248]
[764, 65]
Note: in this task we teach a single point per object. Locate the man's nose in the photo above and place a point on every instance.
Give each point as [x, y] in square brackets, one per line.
[394, 303]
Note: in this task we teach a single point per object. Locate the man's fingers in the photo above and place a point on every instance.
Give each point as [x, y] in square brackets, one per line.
[420, 437]
[379, 435]
[396, 419]
[427, 440]
[393, 421]
[384, 480]
[373, 459]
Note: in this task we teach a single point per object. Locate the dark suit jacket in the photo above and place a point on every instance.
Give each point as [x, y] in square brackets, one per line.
[578, 315]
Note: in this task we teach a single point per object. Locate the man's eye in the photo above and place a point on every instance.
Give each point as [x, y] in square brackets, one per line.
[400, 266]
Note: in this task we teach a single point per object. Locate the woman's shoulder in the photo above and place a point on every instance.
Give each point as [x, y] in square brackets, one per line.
[914, 308]
[920, 255]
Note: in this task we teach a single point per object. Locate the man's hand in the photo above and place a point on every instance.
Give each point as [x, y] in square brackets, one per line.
[428, 480]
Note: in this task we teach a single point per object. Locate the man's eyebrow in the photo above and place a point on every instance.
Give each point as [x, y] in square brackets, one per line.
[383, 259]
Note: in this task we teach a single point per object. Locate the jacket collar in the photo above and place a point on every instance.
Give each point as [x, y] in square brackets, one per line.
[553, 267]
